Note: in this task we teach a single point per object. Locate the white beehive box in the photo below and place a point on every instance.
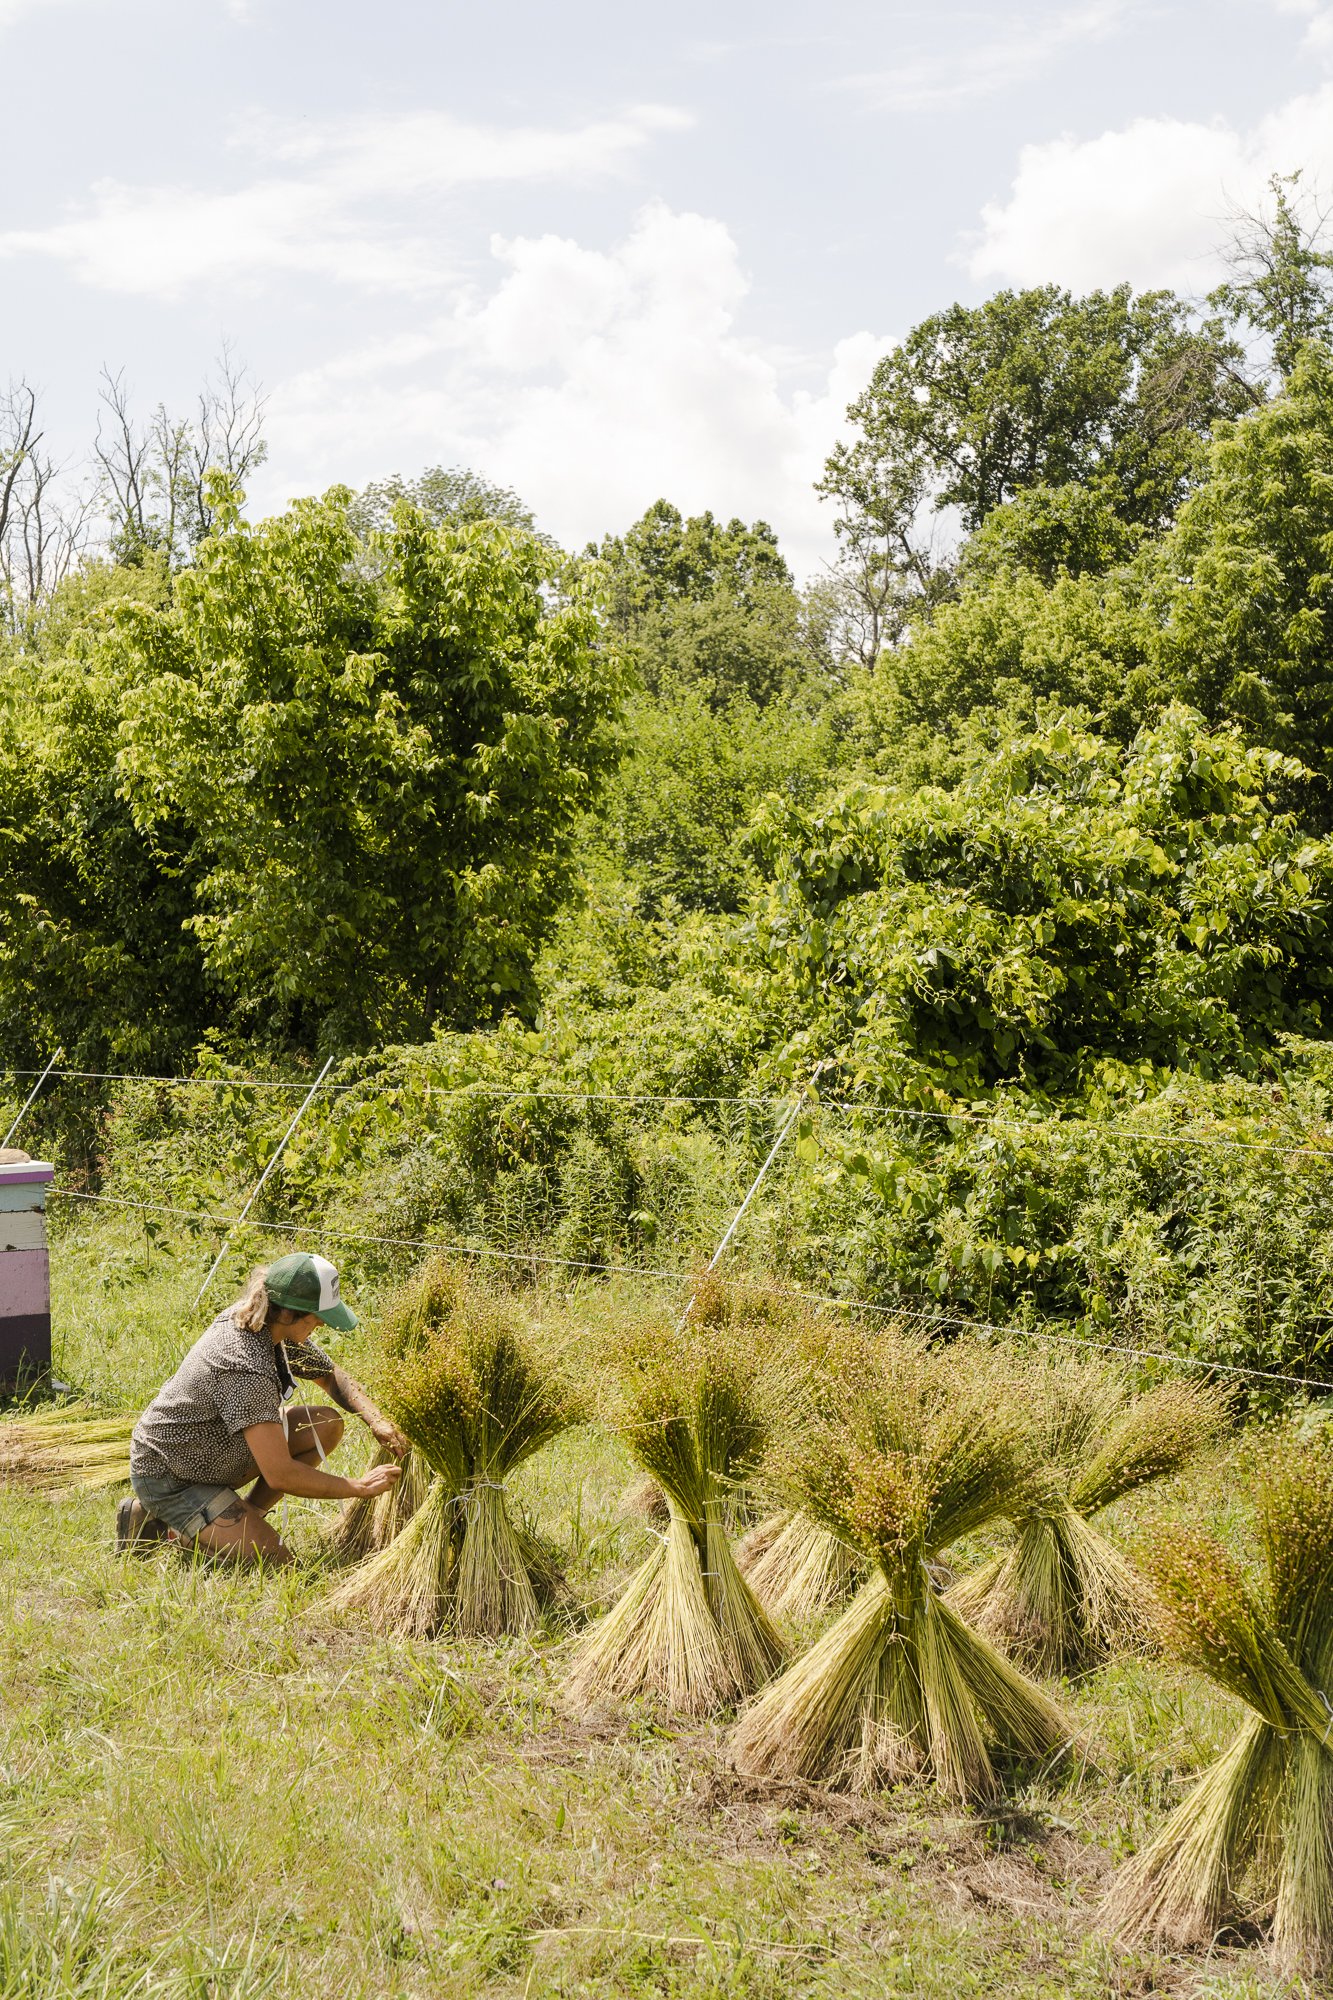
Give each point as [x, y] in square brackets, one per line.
[25, 1272]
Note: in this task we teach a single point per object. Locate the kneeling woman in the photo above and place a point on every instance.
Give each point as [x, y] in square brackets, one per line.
[219, 1423]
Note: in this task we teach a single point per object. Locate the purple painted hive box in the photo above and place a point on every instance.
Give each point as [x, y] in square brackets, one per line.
[25, 1272]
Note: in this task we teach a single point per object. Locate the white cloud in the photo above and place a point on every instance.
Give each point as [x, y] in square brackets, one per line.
[1318, 18]
[1149, 203]
[320, 208]
[591, 381]
[1003, 52]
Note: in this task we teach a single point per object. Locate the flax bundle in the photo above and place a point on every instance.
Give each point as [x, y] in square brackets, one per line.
[688, 1630]
[1062, 1595]
[476, 1401]
[912, 1450]
[1255, 1834]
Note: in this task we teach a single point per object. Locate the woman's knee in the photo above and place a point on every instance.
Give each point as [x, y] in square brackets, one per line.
[242, 1534]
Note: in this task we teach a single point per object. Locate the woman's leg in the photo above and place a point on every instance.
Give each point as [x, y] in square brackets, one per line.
[242, 1535]
[306, 1422]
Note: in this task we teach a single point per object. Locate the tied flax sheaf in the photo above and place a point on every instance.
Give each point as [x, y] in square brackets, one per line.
[694, 1406]
[476, 1401]
[905, 1452]
[1062, 1596]
[1255, 1833]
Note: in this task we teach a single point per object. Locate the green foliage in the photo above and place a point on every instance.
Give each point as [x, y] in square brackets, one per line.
[1038, 388]
[95, 953]
[1227, 611]
[667, 559]
[1048, 532]
[1241, 590]
[379, 780]
[1111, 396]
[448, 496]
[1282, 274]
[1010, 641]
[1063, 904]
[702, 605]
[694, 776]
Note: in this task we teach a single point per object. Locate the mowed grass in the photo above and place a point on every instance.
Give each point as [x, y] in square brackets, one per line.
[210, 1787]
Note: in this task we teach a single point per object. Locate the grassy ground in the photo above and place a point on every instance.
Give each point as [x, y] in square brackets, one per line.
[210, 1787]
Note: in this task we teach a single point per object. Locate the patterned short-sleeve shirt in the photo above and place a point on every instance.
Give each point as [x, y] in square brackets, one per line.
[194, 1428]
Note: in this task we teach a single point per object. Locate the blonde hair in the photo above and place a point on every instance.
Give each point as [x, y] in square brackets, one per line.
[254, 1309]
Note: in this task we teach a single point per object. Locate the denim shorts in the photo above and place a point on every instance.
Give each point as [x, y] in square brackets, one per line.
[186, 1510]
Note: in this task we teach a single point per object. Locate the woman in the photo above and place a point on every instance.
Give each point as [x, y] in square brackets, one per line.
[219, 1422]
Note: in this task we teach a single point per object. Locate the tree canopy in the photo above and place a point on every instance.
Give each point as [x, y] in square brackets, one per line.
[354, 787]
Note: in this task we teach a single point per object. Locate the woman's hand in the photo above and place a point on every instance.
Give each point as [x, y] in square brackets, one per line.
[385, 1432]
[379, 1479]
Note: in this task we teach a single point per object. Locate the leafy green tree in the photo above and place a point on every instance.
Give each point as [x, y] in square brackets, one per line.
[1228, 611]
[447, 495]
[1064, 905]
[1242, 589]
[1111, 394]
[1282, 274]
[667, 559]
[699, 602]
[95, 951]
[379, 770]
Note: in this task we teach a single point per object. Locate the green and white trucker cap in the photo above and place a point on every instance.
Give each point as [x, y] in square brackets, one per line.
[309, 1285]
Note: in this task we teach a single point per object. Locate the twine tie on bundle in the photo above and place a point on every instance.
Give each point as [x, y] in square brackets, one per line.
[1328, 1711]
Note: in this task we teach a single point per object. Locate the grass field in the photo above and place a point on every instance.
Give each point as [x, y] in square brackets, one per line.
[208, 1786]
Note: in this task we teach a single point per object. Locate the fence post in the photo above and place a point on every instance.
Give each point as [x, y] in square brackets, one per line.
[30, 1099]
[306, 1101]
[25, 1273]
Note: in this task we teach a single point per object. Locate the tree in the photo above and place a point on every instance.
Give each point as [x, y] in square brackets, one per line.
[666, 559]
[42, 532]
[1228, 611]
[155, 476]
[95, 951]
[1240, 590]
[379, 768]
[446, 495]
[1113, 393]
[1282, 272]
[701, 603]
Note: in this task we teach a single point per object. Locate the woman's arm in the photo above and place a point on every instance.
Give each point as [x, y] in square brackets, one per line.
[347, 1392]
[285, 1474]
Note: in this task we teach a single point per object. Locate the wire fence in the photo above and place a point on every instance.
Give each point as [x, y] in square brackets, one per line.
[871, 1116]
[871, 1113]
[924, 1317]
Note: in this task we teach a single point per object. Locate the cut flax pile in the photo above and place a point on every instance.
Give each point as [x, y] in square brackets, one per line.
[911, 1450]
[475, 1399]
[1255, 1834]
[68, 1447]
[1062, 1595]
[688, 1629]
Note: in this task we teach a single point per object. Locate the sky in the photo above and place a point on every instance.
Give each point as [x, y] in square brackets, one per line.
[602, 252]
